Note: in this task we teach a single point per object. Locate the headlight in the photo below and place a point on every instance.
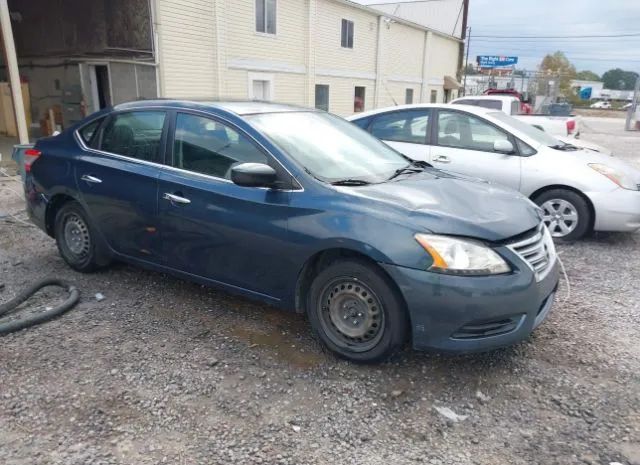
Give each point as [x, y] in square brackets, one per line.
[616, 176]
[461, 256]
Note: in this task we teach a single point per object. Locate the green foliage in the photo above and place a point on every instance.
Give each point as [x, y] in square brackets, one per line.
[587, 76]
[618, 79]
[558, 66]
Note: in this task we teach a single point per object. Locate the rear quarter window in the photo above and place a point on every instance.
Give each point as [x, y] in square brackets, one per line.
[88, 133]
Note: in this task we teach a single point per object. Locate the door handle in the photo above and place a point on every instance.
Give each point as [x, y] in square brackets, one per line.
[91, 179]
[442, 159]
[176, 198]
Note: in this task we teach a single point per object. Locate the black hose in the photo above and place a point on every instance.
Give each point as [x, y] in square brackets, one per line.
[37, 318]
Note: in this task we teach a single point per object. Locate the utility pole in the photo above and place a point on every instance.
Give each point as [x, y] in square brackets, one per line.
[634, 106]
[466, 63]
[14, 74]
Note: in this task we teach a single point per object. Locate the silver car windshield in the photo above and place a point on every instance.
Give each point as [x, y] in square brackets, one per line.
[534, 133]
[329, 147]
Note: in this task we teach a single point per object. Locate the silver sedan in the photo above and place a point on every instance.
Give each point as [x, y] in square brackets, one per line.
[579, 190]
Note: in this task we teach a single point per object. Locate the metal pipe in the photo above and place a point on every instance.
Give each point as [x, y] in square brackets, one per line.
[14, 73]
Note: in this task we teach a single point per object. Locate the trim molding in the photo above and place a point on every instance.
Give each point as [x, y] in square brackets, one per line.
[265, 65]
[435, 81]
[345, 73]
[407, 79]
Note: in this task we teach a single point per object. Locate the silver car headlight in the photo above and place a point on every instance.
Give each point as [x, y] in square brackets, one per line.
[621, 179]
[461, 256]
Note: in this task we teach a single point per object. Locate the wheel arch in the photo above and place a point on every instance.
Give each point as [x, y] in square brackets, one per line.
[551, 187]
[324, 258]
[53, 206]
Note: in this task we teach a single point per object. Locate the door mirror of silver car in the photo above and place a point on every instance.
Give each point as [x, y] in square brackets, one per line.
[503, 146]
[253, 175]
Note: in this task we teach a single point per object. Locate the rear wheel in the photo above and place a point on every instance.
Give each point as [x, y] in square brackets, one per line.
[356, 312]
[566, 213]
[77, 241]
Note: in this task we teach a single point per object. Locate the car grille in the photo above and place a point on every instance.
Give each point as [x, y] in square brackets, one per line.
[537, 250]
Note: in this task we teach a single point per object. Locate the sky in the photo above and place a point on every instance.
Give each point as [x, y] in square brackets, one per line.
[557, 18]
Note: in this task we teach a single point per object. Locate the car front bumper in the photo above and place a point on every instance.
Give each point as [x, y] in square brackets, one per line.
[471, 314]
[618, 210]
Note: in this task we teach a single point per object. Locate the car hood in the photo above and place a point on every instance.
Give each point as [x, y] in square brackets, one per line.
[589, 156]
[443, 203]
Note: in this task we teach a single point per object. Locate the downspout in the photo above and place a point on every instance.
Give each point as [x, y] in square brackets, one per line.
[376, 99]
[153, 13]
[14, 73]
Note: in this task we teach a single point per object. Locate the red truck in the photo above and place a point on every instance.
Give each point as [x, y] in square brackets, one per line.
[525, 107]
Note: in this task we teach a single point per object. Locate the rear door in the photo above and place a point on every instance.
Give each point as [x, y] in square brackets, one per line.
[405, 130]
[212, 227]
[117, 177]
[463, 143]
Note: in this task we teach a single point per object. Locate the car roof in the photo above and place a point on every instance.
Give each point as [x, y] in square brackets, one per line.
[488, 97]
[416, 106]
[240, 107]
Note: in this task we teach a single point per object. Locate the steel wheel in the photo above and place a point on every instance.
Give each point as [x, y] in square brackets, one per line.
[351, 314]
[76, 236]
[560, 216]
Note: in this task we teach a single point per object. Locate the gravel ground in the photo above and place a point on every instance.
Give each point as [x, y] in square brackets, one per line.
[165, 371]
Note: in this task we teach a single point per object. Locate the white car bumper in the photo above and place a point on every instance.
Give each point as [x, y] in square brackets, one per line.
[618, 210]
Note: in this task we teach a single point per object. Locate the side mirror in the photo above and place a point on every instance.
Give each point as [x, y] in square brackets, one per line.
[503, 146]
[253, 175]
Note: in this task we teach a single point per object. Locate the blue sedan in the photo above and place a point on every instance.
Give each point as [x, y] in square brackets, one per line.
[302, 210]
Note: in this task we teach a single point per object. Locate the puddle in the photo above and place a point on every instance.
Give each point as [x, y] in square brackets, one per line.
[280, 339]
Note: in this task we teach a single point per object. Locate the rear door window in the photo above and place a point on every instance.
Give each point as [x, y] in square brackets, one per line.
[402, 126]
[135, 134]
[210, 147]
[464, 131]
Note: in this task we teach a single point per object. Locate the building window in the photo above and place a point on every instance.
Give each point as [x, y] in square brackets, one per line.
[260, 86]
[346, 37]
[322, 97]
[358, 99]
[266, 16]
[408, 96]
[434, 96]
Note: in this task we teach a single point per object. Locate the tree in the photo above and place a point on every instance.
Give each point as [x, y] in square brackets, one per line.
[470, 70]
[618, 79]
[587, 76]
[558, 68]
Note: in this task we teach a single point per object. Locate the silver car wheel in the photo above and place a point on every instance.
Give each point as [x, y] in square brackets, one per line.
[560, 216]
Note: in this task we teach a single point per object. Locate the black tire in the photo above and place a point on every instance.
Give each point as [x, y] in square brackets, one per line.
[579, 205]
[85, 252]
[385, 324]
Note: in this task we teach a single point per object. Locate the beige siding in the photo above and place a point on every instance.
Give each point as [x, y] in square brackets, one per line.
[404, 48]
[287, 46]
[329, 53]
[444, 58]
[287, 87]
[186, 30]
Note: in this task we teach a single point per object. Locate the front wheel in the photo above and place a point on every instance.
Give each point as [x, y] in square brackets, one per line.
[356, 312]
[566, 213]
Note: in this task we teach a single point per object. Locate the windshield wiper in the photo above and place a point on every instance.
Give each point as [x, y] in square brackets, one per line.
[350, 182]
[564, 147]
[409, 169]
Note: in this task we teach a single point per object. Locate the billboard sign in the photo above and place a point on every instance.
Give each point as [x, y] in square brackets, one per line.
[496, 61]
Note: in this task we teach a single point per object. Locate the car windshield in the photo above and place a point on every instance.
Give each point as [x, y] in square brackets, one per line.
[330, 148]
[534, 133]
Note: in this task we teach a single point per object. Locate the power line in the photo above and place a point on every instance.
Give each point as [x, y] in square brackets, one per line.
[594, 36]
